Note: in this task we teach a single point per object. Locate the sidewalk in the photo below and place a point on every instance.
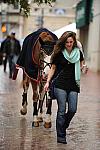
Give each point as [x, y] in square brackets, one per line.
[16, 132]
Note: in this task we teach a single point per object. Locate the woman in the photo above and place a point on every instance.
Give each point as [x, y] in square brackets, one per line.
[67, 62]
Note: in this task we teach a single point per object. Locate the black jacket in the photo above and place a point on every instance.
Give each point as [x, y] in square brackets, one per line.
[17, 47]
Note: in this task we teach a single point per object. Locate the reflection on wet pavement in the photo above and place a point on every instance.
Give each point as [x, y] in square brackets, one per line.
[16, 132]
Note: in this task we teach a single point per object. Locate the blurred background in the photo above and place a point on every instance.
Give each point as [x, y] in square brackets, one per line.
[80, 16]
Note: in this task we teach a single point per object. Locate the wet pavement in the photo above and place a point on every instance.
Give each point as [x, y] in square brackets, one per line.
[16, 132]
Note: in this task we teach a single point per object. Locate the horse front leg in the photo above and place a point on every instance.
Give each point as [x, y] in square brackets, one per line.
[47, 121]
[26, 81]
[41, 101]
[35, 122]
[45, 96]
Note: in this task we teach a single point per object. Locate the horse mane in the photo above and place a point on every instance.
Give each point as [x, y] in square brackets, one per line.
[45, 36]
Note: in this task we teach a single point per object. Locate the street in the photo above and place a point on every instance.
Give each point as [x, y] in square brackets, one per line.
[16, 132]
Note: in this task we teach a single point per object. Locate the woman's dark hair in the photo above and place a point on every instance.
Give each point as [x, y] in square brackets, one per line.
[60, 45]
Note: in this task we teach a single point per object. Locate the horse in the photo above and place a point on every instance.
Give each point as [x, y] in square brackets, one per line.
[35, 48]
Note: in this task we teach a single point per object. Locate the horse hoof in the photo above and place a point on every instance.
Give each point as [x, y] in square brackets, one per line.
[23, 112]
[35, 124]
[47, 125]
[47, 122]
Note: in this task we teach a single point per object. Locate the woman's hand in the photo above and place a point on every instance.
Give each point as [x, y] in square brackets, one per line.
[46, 87]
[50, 75]
[84, 69]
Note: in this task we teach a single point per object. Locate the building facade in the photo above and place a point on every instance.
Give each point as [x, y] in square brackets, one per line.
[53, 18]
[88, 24]
[10, 20]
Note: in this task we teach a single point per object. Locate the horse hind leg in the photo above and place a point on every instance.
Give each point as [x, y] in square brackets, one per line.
[23, 110]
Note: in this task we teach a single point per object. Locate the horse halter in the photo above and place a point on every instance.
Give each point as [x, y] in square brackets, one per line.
[47, 45]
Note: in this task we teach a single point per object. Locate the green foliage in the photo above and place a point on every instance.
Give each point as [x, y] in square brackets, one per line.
[43, 1]
[24, 4]
[25, 7]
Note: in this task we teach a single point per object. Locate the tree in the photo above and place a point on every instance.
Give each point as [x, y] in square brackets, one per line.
[25, 5]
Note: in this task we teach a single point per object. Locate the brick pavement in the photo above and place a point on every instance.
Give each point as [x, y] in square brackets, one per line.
[16, 132]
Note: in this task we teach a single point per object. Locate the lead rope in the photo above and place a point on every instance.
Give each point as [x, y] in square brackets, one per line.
[41, 79]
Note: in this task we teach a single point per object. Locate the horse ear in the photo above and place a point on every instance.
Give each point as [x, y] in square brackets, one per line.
[41, 41]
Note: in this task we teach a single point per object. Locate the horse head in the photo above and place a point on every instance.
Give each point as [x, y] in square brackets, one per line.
[47, 42]
[44, 45]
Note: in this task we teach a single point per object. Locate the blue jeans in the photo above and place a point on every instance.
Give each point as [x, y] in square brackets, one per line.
[12, 61]
[63, 118]
[11, 65]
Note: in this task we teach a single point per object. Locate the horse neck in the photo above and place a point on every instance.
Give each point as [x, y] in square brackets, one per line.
[36, 52]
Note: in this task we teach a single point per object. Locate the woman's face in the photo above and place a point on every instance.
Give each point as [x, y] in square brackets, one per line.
[69, 44]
